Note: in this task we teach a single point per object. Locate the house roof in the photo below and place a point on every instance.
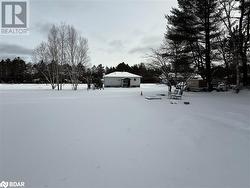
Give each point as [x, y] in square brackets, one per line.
[195, 77]
[121, 75]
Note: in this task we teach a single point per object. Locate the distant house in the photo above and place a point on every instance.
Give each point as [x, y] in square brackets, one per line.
[196, 83]
[122, 79]
[171, 78]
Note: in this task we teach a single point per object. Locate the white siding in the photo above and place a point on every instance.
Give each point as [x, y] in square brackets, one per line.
[117, 82]
[112, 82]
[135, 82]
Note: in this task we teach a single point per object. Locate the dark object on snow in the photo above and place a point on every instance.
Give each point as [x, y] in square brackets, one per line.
[186, 102]
[221, 87]
[153, 98]
[161, 94]
[237, 89]
[89, 86]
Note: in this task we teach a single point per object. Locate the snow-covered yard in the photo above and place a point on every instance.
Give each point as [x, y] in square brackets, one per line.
[114, 138]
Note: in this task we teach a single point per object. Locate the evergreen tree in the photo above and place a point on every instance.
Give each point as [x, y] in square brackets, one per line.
[193, 27]
[123, 67]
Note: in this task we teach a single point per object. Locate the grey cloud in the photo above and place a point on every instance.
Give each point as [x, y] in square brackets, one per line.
[42, 28]
[117, 44]
[13, 49]
[137, 32]
[114, 46]
[139, 50]
[145, 44]
[151, 40]
[98, 37]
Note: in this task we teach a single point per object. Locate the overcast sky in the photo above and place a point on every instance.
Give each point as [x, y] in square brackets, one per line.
[117, 31]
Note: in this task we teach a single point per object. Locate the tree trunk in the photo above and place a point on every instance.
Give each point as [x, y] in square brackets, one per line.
[226, 67]
[244, 52]
[208, 46]
[236, 56]
[57, 77]
[241, 41]
[244, 67]
[61, 75]
[237, 73]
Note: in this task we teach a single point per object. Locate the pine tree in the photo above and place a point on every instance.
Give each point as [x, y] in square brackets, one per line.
[193, 28]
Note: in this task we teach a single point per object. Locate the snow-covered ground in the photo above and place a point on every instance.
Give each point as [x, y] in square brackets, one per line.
[114, 138]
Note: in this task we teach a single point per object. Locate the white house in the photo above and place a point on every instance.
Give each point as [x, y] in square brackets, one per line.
[122, 79]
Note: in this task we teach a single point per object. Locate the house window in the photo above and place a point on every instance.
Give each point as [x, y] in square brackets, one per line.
[134, 79]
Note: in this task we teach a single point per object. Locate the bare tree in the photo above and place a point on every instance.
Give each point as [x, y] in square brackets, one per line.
[53, 50]
[47, 68]
[82, 55]
[77, 48]
[223, 47]
[157, 60]
[64, 46]
[230, 21]
[62, 40]
[236, 20]
[71, 54]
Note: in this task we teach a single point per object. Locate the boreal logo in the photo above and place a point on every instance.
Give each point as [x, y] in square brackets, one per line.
[4, 184]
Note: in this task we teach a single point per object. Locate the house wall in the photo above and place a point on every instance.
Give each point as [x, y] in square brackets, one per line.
[112, 82]
[196, 85]
[135, 82]
[117, 82]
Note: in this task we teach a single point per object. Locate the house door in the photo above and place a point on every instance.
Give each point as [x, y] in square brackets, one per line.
[126, 82]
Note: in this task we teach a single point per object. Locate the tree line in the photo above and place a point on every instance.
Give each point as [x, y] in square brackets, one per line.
[207, 37]
[63, 58]
[18, 71]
